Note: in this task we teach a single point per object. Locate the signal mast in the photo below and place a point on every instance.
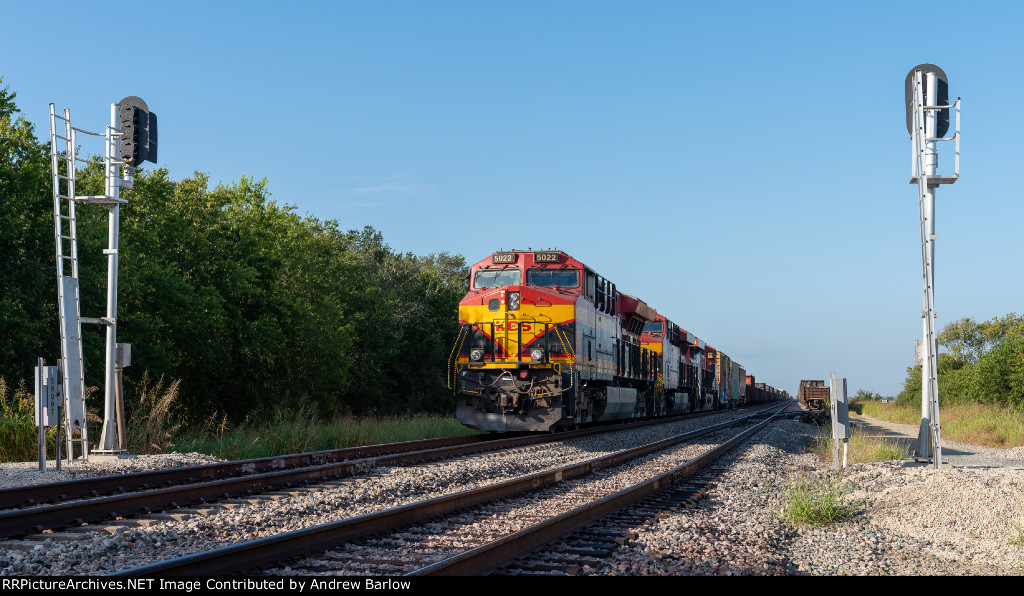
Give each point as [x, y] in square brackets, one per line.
[927, 102]
[130, 139]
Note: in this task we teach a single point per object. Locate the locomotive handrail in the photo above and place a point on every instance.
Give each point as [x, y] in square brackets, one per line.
[453, 358]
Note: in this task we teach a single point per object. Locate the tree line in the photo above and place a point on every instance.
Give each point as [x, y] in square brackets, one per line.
[251, 305]
[982, 362]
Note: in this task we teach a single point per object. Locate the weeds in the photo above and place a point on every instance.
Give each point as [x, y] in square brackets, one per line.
[150, 426]
[19, 436]
[1018, 536]
[814, 501]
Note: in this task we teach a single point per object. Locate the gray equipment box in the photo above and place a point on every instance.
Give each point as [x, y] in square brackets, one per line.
[50, 389]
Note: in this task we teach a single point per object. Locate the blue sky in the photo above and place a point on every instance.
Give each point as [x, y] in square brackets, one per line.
[742, 167]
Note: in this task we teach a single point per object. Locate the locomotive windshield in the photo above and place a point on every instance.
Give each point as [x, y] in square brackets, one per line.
[654, 327]
[553, 278]
[496, 278]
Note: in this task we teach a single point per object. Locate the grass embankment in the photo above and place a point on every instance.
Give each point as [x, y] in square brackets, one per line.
[295, 432]
[989, 425]
[153, 428]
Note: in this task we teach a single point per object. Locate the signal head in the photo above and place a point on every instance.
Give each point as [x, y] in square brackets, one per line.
[138, 128]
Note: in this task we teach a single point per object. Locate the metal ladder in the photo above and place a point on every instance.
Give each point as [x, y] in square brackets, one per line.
[924, 160]
[66, 240]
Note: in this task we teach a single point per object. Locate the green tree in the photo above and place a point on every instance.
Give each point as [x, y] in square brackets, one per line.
[28, 280]
[983, 362]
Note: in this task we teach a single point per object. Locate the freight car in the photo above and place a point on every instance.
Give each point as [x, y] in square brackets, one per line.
[546, 343]
[813, 394]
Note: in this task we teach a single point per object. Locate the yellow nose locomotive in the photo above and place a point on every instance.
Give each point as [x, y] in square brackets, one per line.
[546, 343]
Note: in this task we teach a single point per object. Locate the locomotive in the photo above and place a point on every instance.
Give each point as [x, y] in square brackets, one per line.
[546, 343]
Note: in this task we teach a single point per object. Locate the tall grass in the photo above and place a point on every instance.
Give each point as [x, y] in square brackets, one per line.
[990, 425]
[19, 436]
[292, 431]
[151, 425]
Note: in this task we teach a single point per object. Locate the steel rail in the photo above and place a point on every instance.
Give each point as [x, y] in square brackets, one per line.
[489, 557]
[242, 557]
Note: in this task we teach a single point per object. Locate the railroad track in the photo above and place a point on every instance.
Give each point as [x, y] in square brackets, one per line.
[471, 531]
[589, 546]
[35, 512]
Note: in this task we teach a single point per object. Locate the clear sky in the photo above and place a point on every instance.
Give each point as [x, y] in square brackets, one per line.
[743, 167]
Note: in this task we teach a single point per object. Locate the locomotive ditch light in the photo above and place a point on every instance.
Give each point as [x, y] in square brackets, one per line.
[476, 355]
[513, 300]
[537, 355]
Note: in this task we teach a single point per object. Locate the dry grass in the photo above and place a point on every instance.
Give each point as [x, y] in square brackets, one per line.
[151, 425]
[862, 447]
[988, 425]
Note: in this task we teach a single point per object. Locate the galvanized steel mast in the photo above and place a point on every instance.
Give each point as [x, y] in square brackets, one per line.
[110, 441]
[927, 121]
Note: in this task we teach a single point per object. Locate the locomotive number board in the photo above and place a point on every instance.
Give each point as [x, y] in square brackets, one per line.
[504, 257]
[545, 257]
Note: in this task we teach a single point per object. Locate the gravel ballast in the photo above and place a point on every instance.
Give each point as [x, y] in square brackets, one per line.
[908, 519]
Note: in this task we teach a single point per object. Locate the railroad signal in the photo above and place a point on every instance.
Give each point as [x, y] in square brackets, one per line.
[138, 131]
[941, 96]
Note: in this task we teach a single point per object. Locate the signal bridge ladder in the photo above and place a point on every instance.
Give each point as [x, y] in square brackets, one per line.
[66, 237]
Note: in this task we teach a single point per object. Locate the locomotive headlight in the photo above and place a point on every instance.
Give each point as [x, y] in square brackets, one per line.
[476, 355]
[513, 300]
[537, 354]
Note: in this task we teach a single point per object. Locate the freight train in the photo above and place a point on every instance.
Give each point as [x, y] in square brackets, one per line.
[545, 343]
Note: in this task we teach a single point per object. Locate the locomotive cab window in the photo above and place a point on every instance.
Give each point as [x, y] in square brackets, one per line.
[653, 327]
[553, 278]
[591, 282]
[497, 278]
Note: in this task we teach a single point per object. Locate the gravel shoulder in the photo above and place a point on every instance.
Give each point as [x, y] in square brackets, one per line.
[908, 518]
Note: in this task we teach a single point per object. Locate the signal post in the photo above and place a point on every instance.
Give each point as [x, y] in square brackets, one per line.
[927, 96]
